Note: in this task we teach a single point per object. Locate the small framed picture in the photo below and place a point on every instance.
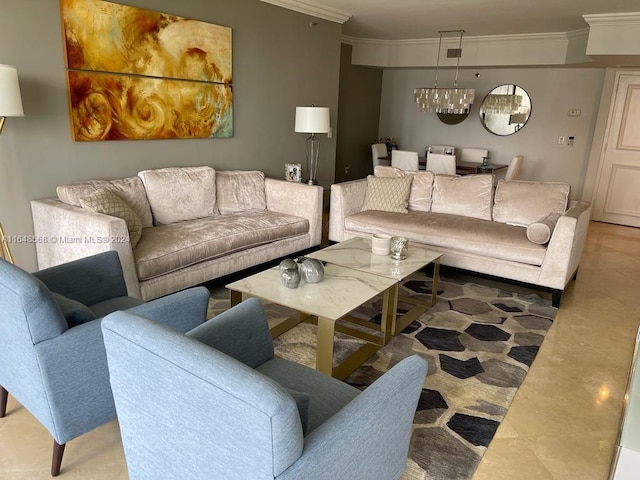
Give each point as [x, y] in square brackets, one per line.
[293, 172]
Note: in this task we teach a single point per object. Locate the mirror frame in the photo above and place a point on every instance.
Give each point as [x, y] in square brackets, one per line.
[518, 126]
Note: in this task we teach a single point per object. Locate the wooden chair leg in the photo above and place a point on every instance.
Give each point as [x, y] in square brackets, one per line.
[4, 396]
[56, 461]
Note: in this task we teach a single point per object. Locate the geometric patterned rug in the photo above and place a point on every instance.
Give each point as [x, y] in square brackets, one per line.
[479, 341]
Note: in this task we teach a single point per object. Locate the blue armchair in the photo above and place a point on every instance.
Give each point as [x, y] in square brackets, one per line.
[52, 356]
[234, 411]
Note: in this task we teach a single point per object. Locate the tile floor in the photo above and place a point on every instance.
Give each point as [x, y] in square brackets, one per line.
[562, 424]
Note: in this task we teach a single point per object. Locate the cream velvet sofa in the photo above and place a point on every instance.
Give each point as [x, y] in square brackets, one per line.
[524, 231]
[189, 224]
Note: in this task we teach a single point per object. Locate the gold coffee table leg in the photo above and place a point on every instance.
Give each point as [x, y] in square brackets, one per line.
[324, 353]
[235, 298]
[389, 312]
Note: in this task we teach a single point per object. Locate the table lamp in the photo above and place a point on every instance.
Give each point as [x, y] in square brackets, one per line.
[10, 106]
[312, 120]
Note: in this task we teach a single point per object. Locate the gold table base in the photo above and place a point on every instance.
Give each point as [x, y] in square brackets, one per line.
[374, 337]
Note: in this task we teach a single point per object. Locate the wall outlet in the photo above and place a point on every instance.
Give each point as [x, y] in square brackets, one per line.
[574, 112]
[330, 132]
[561, 140]
[346, 169]
[570, 142]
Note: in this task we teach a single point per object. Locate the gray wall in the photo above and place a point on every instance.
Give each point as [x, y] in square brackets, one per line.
[359, 107]
[279, 62]
[553, 92]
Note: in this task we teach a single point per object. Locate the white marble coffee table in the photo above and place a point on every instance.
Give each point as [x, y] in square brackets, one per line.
[341, 291]
[355, 254]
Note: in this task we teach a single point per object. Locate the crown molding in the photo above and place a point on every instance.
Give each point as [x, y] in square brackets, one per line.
[313, 9]
[572, 35]
[613, 19]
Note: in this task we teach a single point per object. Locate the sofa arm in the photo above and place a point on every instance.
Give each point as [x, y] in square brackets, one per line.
[369, 437]
[297, 199]
[565, 247]
[347, 198]
[66, 232]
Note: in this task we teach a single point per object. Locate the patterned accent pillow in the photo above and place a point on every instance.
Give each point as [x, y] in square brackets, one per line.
[387, 194]
[110, 203]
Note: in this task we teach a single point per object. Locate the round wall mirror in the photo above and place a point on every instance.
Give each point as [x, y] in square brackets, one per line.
[505, 109]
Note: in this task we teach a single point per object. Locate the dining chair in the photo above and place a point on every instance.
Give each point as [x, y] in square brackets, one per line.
[405, 160]
[473, 154]
[379, 150]
[514, 168]
[443, 149]
[442, 164]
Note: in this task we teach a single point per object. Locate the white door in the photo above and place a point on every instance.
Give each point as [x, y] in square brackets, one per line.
[617, 197]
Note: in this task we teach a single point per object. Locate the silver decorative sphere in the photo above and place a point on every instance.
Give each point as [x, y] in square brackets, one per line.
[288, 264]
[312, 270]
[290, 277]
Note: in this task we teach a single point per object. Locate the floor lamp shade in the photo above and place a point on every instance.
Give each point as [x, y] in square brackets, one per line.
[10, 99]
[312, 120]
[10, 106]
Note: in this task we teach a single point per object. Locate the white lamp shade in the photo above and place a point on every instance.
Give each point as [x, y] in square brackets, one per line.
[10, 100]
[312, 120]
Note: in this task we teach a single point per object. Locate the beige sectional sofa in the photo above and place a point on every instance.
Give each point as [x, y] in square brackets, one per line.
[178, 227]
[529, 232]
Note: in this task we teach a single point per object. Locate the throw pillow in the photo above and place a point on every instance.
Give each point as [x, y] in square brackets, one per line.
[468, 195]
[240, 190]
[110, 203]
[522, 203]
[302, 402]
[177, 194]
[387, 194]
[74, 312]
[540, 232]
[421, 186]
[131, 190]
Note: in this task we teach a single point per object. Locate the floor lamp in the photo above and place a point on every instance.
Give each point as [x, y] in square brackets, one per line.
[10, 106]
[312, 120]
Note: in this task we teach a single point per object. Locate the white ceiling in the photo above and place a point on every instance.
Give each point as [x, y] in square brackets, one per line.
[416, 19]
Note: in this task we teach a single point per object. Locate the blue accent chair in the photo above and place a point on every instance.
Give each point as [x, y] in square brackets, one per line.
[234, 411]
[52, 356]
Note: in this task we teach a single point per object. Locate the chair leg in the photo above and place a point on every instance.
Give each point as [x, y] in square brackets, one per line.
[4, 396]
[56, 461]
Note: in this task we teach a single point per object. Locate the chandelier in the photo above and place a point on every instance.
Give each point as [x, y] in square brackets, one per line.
[446, 100]
[496, 103]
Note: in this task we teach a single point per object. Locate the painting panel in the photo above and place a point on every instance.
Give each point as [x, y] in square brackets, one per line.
[109, 37]
[107, 106]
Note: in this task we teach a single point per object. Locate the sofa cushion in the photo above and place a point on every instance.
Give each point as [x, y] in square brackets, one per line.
[130, 189]
[453, 232]
[240, 190]
[469, 195]
[110, 203]
[167, 248]
[180, 193]
[522, 203]
[540, 232]
[421, 186]
[387, 194]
